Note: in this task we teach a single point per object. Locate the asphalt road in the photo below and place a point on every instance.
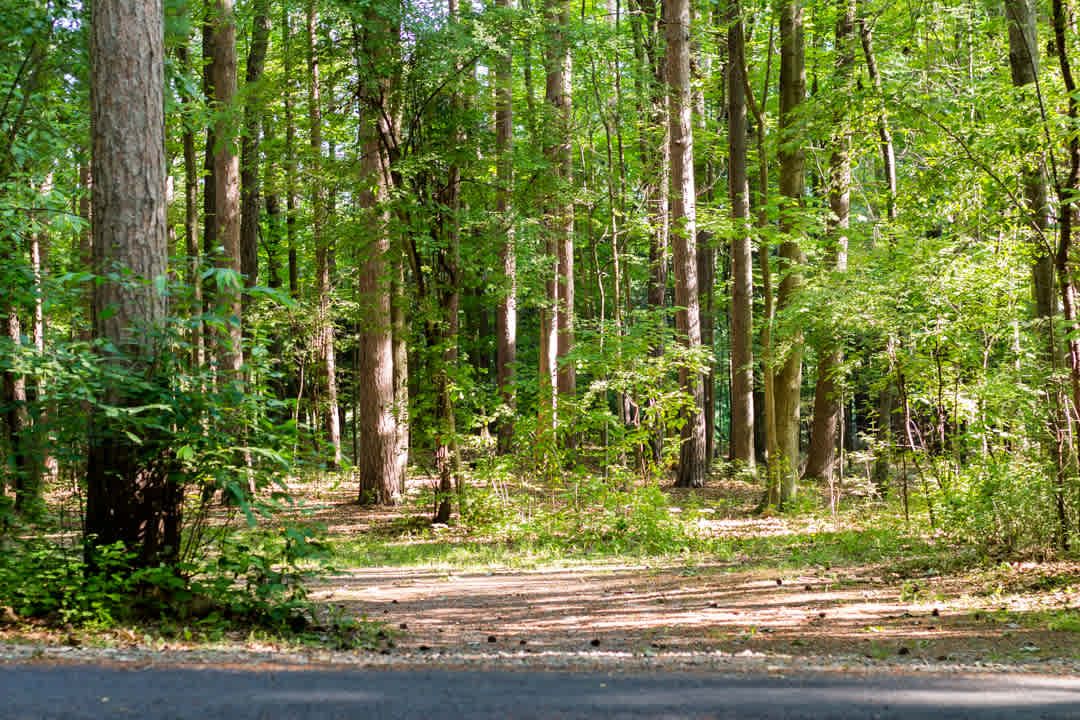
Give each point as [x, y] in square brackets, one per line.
[40, 692]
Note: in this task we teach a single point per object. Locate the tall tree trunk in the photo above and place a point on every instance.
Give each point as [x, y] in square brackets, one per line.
[227, 185]
[506, 309]
[131, 496]
[290, 157]
[1063, 264]
[655, 151]
[379, 459]
[249, 149]
[445, 331]
[692, 471]
[742, 261]
[824, 434]
[210, 239]
[788, 380]
[556, 319]
[324, 326]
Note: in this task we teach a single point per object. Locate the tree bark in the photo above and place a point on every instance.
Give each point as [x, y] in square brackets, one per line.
[227, 186]
[824, 435]
[742, 262]
[692, 471]
[379, 459]
[788, 381]
[249, 149]
[131, 497]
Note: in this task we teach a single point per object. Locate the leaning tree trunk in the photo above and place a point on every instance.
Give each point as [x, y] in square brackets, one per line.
[692, 471]
[131, 494]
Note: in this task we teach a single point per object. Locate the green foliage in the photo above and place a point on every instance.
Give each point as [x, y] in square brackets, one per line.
[257, 582]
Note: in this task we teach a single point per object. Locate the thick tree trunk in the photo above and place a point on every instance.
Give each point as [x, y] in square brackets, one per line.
[824, 434]
[788, 381]
[381, 331]
[742, 262]
[692, 471]
[506, 309]
[131, 496]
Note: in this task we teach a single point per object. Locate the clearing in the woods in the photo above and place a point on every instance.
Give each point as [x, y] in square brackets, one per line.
[816, 589]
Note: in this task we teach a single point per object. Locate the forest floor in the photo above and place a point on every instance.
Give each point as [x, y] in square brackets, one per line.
[801, 595]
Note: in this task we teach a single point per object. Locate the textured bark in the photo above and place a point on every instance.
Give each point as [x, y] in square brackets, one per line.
[506, 310]
[379, 462]
[824, 435]
[130, 497]
[692, 470]
[788, 381]
[742, 261]
[324, 326]
[227, 185]
[249, 149]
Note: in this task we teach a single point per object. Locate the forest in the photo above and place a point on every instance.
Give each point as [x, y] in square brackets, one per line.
[466, 259]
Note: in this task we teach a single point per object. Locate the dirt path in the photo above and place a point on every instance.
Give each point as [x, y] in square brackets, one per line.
[647, 611]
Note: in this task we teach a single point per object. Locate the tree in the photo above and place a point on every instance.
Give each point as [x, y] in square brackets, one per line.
[249, 148]
[784, 469]
[827, 409]
[131, 496]
[742, 269]
[226, 180]
[692, 471]
[324, 327]
[506, 310]
[557, 376]
[379, 459]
